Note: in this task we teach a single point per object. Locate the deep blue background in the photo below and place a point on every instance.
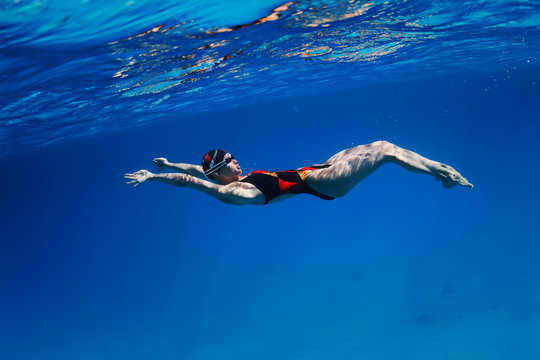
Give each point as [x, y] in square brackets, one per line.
[400, 268]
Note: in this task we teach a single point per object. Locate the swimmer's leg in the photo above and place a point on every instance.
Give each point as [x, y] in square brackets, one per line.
[351, 166]
[417, 163]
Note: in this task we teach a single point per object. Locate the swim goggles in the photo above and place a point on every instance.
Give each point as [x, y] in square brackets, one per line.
[215, 167]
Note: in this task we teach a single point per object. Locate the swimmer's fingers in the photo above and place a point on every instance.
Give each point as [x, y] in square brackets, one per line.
[130, 176]
[133, 179]
[136, 174]
[136, 178]
[134, 182]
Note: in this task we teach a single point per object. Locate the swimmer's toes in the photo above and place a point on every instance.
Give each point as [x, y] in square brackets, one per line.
[468, 184]
[463, 182]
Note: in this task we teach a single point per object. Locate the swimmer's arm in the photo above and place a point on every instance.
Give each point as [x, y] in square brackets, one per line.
[193, 170]
[235, 193]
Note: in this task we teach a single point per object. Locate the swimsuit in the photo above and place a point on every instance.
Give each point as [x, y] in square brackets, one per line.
[274, 184]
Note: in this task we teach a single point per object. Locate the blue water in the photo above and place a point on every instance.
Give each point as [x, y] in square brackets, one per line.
[400, 268]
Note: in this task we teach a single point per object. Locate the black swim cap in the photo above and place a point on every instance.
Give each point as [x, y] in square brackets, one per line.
[213, 161]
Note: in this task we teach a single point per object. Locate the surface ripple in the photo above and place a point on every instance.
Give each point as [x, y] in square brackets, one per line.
[79, 69]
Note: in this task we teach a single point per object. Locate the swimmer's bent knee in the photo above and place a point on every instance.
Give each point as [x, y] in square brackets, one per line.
[386, 148]
[382, 144]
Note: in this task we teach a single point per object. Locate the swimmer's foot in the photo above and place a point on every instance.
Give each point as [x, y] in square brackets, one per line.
[450, 177]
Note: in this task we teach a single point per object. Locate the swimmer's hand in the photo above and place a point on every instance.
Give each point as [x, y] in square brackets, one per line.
[138, 177]
[161, 163]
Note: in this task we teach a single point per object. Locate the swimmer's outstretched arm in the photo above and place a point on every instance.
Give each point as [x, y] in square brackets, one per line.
[193, 170]
[234, 193]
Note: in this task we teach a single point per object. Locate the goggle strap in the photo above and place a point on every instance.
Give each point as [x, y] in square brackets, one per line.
[215, 168]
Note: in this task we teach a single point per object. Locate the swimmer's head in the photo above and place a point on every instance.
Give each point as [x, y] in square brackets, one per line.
[216, 166]
[212, 162]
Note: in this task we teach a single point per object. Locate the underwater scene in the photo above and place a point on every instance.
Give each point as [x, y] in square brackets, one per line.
[399, 268]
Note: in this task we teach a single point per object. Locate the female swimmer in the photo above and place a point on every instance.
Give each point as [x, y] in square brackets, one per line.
[220, 175]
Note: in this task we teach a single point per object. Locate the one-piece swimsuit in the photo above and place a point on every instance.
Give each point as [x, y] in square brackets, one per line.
[274, 184]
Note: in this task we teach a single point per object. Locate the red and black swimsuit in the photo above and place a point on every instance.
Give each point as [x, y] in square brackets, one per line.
[274, 184]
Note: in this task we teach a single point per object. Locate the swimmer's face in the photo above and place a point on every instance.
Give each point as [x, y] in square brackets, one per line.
[231, 171]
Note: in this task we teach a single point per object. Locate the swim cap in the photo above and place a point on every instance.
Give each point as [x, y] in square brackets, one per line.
[213, 161]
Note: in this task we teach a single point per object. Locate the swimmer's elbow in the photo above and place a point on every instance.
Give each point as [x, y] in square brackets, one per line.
[241, 198]
[247, 200]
